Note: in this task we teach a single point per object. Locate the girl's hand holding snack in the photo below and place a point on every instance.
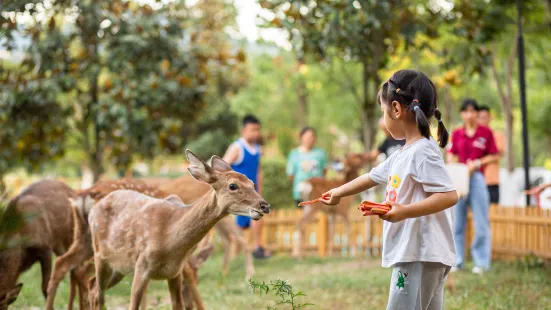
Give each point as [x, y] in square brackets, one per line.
[397, 212]
[331, 197]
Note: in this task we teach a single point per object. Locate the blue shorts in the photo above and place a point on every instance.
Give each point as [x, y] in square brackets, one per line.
[243, 221]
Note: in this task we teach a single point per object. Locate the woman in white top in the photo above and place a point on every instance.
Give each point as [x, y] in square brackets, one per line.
[417, 233]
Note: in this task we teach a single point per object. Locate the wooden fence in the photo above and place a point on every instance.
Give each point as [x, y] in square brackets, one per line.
[516, 232]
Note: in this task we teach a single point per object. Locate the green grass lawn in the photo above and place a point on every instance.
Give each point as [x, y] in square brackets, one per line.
[335, 283]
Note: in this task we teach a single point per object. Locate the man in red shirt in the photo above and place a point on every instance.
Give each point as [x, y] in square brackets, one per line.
[474, 146]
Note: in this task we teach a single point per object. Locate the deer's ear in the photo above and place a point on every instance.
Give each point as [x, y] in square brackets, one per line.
[199, 170]
[220, 165]
[201, 257]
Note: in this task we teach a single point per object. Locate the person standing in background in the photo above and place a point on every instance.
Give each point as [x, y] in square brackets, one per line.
[306, 161]
[244, 157]
[389, 145]
[491, 171]
[473, 145]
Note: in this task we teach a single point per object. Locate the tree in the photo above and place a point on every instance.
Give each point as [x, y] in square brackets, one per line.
[135, 78]
[483, 43]
[360, 32]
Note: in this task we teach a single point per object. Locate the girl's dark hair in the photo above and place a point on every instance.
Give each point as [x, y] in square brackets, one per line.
[415, 90]
[305, 130]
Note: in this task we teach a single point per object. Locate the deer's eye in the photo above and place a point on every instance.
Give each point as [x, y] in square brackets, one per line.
[233, 187]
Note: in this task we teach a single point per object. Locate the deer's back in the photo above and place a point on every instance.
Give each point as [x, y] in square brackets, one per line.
[49, 223]
[126, 224]
[185, 187]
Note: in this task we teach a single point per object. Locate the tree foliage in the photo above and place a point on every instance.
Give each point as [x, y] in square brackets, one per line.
[132, 79]
[362, 32]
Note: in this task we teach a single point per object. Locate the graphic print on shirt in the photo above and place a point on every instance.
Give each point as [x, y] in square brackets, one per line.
[401, 282]
[480, 143]
[394, 183]
[309, 165]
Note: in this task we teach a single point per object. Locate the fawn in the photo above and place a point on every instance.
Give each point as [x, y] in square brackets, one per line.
[132, 232]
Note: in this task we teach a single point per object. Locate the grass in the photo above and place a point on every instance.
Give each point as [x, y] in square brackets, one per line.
[334, 283]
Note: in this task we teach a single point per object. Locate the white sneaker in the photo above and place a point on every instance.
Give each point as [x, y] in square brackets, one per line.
[477, 270]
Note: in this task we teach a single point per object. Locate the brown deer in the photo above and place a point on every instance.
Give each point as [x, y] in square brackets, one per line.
[81, 249]
[47, 229]
[314, 188]
[132, 232]
[190, 190]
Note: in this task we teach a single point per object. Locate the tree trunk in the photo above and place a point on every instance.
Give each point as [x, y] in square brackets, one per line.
[302, 95]
[506, 103]
[549, 11]
[2, 187]
[509, 152]
[365, 111]
[369, 119]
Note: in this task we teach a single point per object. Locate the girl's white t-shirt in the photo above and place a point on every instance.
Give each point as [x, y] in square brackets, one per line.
[412, 174]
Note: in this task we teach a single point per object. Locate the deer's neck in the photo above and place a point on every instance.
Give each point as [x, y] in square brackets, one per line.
[192, 225]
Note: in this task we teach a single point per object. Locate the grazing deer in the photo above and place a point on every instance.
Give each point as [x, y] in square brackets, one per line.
[132, 232]
[81, 249]
[314, 188]
[190, 190]
[48, 229]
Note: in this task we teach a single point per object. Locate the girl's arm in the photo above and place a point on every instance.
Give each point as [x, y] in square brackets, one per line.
[353, 187]
[433, 204]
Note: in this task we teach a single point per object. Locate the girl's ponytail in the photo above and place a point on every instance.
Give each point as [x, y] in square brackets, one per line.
[443, 134]
[422, 121]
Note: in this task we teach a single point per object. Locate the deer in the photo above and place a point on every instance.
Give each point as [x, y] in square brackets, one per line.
[81, 249]
[47, 229]
[190, 190]
[314, 188]
[132, 232]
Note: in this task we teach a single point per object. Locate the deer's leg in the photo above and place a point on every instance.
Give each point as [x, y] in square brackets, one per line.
[350, 239]
[175, 288]
[72, 290]
[330, 234]
[45, 259]
[249, 265]
[139, 285]
[307, 214]
[188, 279]
[115, 279]
[70, 260]
[100, 283]
[143, 302]
[227, 253]
[81, 275]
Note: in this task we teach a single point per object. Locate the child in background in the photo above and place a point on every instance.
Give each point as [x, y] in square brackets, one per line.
[417, 233]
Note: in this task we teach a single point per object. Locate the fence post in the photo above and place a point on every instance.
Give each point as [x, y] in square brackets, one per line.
[322, 234]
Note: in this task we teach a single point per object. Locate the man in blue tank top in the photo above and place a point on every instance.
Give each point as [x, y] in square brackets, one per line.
[244, 157]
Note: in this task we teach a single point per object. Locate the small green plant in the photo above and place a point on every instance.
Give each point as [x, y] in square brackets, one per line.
[531, 261]
[280, 288]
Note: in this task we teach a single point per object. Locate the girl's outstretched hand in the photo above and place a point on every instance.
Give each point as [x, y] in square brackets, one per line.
[397, 212]
[331, 197]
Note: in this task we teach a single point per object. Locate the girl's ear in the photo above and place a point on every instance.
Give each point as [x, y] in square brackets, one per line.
[396, 110]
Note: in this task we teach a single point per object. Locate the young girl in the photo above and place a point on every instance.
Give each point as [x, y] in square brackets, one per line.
[417, 232]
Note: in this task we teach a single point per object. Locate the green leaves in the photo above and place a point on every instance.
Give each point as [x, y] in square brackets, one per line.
[281, 289]
[133, 79]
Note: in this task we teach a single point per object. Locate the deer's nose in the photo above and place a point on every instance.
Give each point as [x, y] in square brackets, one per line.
[265, 207]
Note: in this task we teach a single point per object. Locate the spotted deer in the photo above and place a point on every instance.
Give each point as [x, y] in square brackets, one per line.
[47, 229]
[314, 188]
[135, 233]
[190, 190]
[81, 249]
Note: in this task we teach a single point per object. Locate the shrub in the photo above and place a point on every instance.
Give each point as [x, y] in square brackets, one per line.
[277, 188]
[286, 141]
